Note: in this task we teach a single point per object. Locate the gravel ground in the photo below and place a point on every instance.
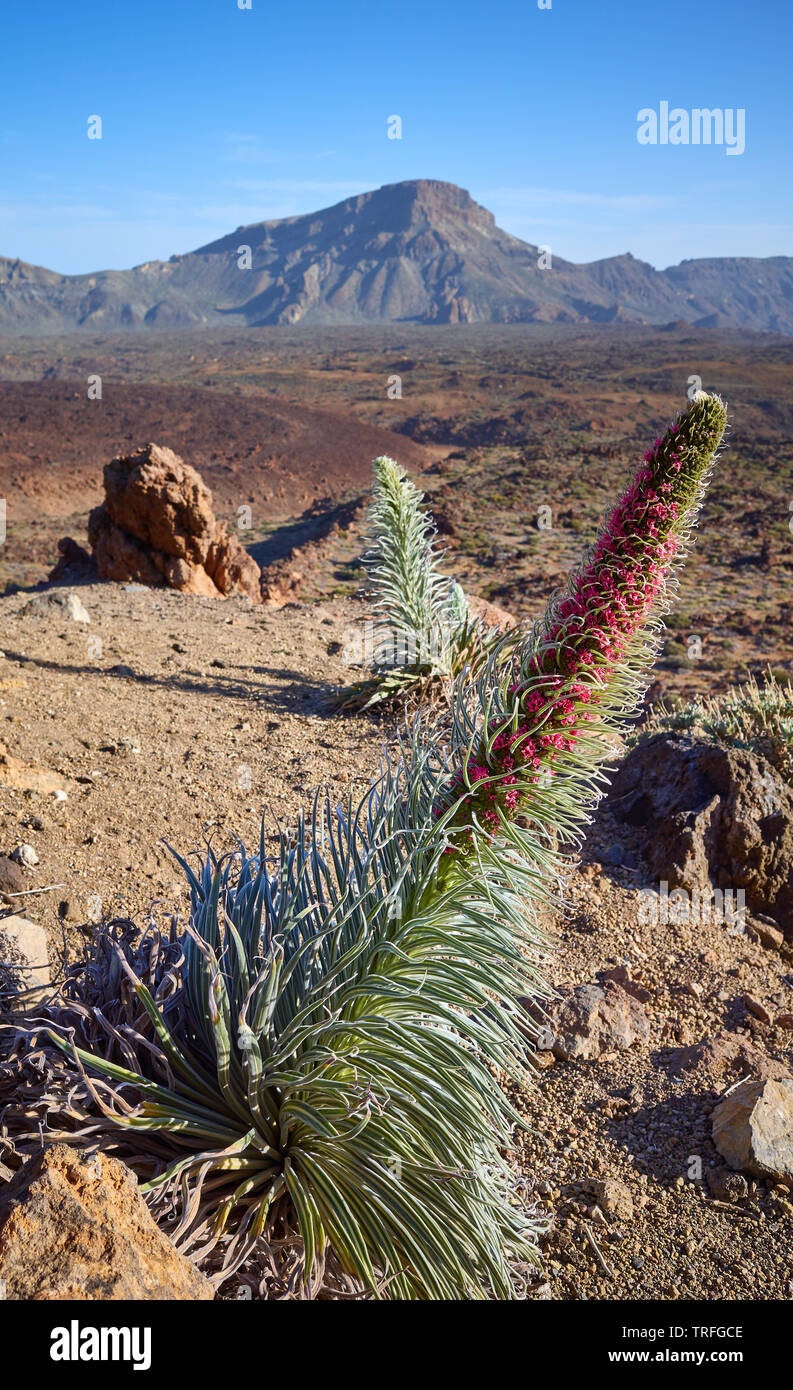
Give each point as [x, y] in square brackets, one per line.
[172, 719]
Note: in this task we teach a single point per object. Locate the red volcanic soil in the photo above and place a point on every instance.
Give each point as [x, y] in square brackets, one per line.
[54, 442]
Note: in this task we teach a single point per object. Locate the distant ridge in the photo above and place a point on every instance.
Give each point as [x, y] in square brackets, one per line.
[421, 251]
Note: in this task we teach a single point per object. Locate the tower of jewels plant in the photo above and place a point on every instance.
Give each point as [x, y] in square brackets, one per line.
[424, 633]
[326, 1048]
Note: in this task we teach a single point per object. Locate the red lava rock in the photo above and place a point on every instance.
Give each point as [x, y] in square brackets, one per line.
[713, 815]
[599, 1018]
[755, 1007]
[156, 526]
[723, 1054]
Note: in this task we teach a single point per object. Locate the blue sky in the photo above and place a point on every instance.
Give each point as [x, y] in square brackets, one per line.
[214, 116]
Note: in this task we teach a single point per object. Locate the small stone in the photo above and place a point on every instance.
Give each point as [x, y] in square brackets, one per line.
[620, 975]
[127, 746]
[784, 1021]
[25, 855]
[753, 1128]
[75, 610]
[769, 935]
[68, 603]
[12, 879]
[756, 1008]
[613, 1197]
[597, 1019]
[543, 1060]
[725, 1185]
[60, 795]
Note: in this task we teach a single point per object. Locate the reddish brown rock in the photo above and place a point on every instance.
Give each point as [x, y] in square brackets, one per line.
[621, 976]
[490, 613]
[726, 1054]
[613, 1197]
[755, 1007]
[156, 526]
[76, 1227]
[599, 1018]
[768, 934]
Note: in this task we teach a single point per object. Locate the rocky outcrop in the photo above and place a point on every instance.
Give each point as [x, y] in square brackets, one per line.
[714, 817]
[74, 1227]
[156, 526]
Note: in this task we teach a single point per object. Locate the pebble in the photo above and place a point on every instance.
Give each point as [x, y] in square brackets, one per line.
[756, 1008]
[25, 855]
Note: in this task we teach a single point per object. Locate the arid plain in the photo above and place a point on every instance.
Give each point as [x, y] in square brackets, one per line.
[147, 714]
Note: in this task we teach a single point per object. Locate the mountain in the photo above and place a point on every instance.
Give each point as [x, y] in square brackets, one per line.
[420, 251]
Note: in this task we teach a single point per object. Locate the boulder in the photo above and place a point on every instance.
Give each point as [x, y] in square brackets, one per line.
[600, 1018]
[76, 1227]
[715, 817]
[156, 526]
[753, 1128]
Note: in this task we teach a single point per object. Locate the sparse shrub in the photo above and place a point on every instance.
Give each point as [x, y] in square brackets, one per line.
[756, 717]
[327, 1048]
